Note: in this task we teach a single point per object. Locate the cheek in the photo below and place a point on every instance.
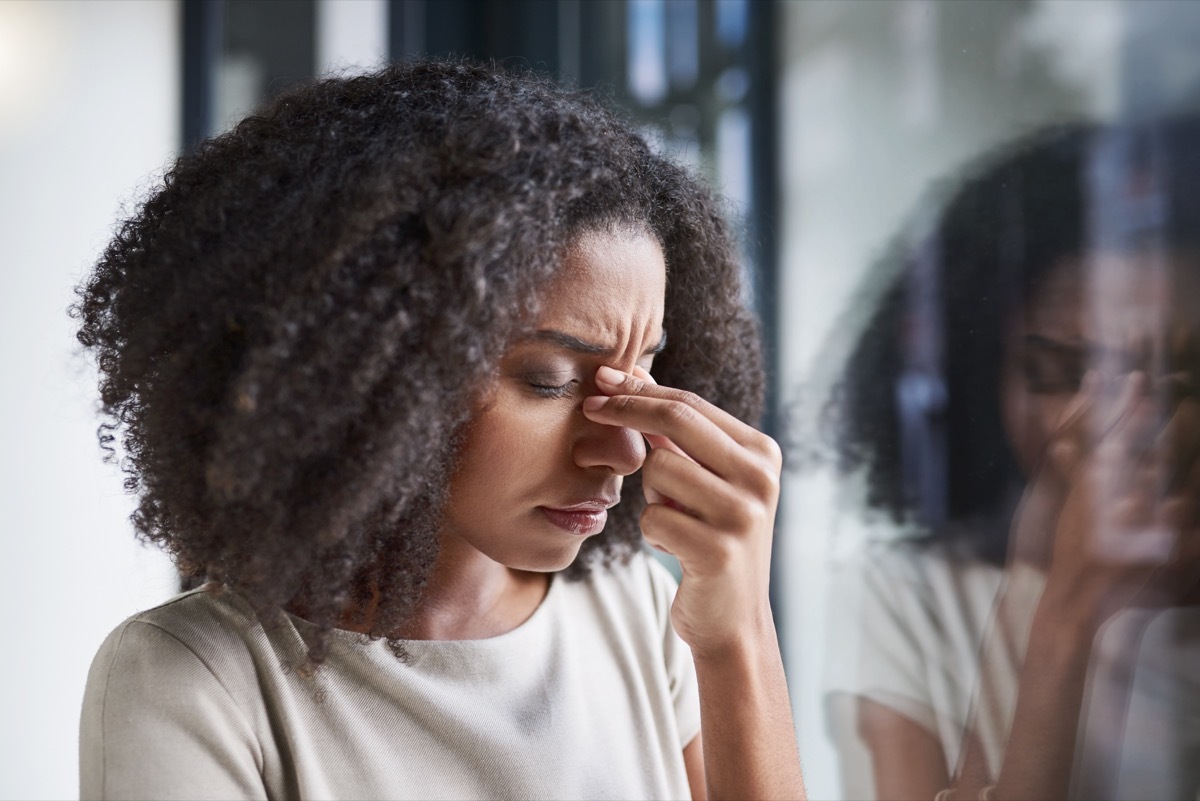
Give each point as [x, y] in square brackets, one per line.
[1030, 420]
[509, 441]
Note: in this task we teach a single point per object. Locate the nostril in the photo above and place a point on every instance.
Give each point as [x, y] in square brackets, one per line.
[621, 450]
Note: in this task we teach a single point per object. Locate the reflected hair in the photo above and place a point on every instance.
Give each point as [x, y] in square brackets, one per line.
[996, 236]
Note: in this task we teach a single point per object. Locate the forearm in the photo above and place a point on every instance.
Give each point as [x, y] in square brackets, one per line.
[749, 740]
[1041, 748]
[1039, 754]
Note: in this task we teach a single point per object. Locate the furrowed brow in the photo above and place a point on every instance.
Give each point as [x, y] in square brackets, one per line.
[573, 343]
[569, 342]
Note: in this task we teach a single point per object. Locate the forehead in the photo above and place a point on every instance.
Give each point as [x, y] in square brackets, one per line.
[1111, 297]
[612, 284]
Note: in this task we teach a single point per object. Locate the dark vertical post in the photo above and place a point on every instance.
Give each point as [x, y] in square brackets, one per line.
[201, 34]
[765, 63]
[406, 29]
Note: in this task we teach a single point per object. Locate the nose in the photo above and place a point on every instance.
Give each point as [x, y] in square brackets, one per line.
[620, 450]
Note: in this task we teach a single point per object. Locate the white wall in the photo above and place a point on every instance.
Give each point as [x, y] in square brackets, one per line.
[89, 109]
[351, 35]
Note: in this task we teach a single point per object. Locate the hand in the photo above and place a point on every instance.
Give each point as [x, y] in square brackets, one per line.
[712, 485]
[1120, 489]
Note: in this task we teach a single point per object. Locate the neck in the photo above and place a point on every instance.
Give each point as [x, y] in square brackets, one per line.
[469, 596]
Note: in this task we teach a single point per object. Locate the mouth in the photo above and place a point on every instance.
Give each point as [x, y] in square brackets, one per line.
[582, 519]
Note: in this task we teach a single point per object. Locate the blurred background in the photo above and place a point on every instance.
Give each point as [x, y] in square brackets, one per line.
[822, 121]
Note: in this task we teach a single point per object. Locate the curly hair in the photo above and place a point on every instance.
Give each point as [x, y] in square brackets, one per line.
[1020, 212]
[292, 330]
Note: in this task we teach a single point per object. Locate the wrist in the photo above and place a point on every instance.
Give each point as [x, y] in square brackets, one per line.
[1072, 611]
[744, 645]
[1060, 638]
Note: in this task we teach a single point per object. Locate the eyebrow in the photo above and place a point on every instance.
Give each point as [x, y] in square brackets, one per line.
[564, 340]
[1090, 350]
[1046, 343]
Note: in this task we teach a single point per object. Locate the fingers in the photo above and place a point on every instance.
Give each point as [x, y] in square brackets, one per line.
[1097, 421]
[679, 534]
[655, 440]
[614, 382]
[712, 482]
[701, 494]
[1067, 445]
[1179, 444]
[1140, 520]
[671, 530]
[703, 432]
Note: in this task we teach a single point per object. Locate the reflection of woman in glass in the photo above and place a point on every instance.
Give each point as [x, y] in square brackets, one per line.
[380, 358]
[1063, 286]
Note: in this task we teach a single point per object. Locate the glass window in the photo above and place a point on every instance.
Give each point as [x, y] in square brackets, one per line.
[989, 313]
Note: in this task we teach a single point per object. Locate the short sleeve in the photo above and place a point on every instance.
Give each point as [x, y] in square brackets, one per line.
[157, 724]
[907, 621]
[877, 643]
[681, 670]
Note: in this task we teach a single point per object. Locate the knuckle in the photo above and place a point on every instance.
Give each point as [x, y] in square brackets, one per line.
[623, 403]
[762, 478]
[724, 552]
[633, 385]
[769, 448]
[750, 516]
[652, 517]
[740, 517]
[679, 413]
[656, 459]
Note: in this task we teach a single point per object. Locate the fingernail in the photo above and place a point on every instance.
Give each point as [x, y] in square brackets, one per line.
[594, 402]
[607, 375]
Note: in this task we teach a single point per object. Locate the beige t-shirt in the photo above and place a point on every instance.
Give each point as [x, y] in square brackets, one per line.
[908, 623]
[593, 697]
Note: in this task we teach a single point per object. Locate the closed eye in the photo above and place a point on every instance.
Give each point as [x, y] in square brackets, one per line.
[1052, 367]
[554, 390]
[550, 385]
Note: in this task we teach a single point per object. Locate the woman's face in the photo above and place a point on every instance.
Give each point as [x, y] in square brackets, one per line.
[535, 476]
[1046, 351]
[1112, 314]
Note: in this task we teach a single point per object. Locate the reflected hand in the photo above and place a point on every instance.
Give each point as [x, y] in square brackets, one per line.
[1120, 489]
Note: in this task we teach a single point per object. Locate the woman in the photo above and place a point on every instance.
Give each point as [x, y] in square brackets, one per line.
[380, 359]
[1007, 649]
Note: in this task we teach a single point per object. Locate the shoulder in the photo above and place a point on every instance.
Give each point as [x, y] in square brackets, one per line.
[905, 605]
[174, 686]
[202, 622]
[918, 571]
[197, 641]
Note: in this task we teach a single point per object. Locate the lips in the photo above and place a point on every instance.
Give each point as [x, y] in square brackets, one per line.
[583, 518]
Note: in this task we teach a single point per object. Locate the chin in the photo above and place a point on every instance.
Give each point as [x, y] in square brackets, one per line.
[543, 560]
